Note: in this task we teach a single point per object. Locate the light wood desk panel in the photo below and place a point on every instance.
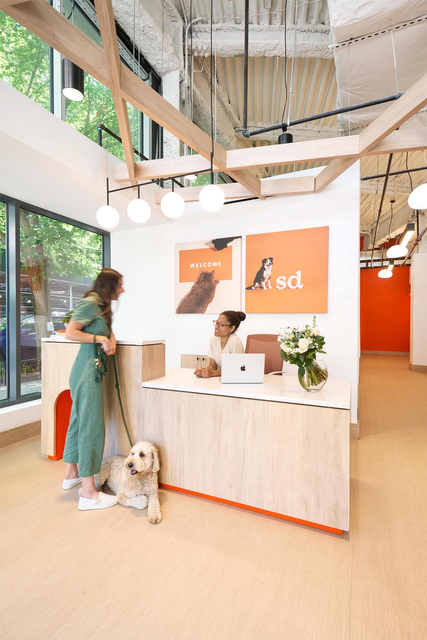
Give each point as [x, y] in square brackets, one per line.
[289, 459]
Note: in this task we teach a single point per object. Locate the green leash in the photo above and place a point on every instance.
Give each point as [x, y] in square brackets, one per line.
[120, 400]
[101, 370]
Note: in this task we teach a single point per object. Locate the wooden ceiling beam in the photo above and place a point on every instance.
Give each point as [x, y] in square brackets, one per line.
[331, 148]
[9, 3]
[107, 26]
[53, 28]
[164, 168]
[235, 191]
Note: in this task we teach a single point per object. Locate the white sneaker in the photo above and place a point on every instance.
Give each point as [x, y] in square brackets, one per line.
[103, 502]
[69, 484]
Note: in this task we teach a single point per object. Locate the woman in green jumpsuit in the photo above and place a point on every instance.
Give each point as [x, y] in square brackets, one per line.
[84, 445]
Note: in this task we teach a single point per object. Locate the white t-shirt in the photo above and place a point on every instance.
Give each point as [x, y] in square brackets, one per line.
[234, 345]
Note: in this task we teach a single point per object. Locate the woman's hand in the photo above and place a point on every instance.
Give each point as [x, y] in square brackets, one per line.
[113, 343]
[205, 373]
[106, 345]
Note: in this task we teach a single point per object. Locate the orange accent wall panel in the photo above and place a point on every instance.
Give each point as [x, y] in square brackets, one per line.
[62, 420]
[385, 311]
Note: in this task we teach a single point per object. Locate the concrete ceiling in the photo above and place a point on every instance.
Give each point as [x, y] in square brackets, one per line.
[322, 77]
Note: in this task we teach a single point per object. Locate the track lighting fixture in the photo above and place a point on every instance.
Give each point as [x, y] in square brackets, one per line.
[386, 273]
[73, 80]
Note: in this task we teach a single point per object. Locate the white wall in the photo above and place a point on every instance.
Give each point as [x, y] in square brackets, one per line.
[45, 162]
[418, 354]
[146, 258]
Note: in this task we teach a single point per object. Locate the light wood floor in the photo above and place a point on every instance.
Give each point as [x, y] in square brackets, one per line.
[210, 571]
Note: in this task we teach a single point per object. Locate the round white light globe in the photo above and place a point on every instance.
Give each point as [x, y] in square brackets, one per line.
[172, 205]
[211, 198]
[107, 217]
[72, 94]
[385, 273]
[139, 211]
[397, 251]
[418, 198]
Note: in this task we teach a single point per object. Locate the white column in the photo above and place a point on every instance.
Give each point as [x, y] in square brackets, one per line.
[170, 82]
[418, 354]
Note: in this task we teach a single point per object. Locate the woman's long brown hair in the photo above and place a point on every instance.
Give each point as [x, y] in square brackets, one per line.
[105, 286]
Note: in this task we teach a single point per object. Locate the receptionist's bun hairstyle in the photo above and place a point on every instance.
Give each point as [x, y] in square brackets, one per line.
[234, 318]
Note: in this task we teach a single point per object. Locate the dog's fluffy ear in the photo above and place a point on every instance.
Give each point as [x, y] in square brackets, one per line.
[156, 464]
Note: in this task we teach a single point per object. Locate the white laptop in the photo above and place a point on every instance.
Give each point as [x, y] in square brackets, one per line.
[242, 368]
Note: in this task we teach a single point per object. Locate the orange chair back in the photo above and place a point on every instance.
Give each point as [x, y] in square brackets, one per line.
[268, 344]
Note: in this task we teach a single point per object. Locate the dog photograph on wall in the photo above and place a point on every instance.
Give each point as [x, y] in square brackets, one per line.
[287, 271]
[208, 275]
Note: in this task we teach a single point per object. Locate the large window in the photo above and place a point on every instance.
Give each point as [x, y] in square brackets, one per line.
[3, 304]
[31, 66]
[25, 61]
[47, 263]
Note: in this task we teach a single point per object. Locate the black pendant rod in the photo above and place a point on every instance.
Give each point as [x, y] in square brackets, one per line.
[245, 70]
[319, 116]
[390, 158]
[395, 173]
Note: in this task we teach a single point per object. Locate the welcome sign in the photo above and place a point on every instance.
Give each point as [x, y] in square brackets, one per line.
[192, 260]
[208, 276]
[287, 271]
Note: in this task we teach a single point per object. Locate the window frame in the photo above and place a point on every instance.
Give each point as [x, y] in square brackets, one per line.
[13, 288]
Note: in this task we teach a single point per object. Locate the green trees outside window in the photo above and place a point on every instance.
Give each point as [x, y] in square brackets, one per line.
[58, 262]
[24, 61]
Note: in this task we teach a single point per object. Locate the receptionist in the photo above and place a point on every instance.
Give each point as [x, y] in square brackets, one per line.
[224, 340]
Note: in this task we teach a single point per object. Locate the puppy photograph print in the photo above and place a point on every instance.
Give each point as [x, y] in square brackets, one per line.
[208, 275]
[296, 281]
[262, 279]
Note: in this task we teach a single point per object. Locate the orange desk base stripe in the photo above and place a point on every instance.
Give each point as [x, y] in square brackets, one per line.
[248, 508]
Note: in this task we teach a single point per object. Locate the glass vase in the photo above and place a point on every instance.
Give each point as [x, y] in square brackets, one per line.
[315, 376]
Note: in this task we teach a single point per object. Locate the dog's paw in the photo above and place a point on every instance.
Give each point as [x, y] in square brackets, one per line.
[155, 517]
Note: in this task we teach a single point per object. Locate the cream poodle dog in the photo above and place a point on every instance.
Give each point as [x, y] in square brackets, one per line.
[134, 479]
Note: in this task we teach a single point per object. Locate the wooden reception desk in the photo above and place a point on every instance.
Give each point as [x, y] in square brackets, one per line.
[271, 448]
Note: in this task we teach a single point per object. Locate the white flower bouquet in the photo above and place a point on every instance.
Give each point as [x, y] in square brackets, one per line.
[300, 345]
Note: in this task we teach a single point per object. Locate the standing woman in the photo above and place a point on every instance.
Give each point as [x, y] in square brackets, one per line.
[224, 340]
[90, 325]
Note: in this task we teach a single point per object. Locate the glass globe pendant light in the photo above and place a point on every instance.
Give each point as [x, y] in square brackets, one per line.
[139, 211]
[211, 198]
[386, 273]
[172, 204]
[418, 198]
[107, 216]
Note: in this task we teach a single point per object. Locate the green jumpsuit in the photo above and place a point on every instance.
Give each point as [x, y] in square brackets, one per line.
[86, 432]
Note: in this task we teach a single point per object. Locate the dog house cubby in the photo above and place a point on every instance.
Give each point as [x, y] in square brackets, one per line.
[137, 362]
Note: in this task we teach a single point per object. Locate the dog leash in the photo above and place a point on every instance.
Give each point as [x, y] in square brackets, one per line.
[120, 400]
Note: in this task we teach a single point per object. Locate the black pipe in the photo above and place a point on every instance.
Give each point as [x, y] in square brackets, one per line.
[319, 116]
[245, 72]
[390, 158]
[102, 127]
[99, 127]
[394, 173]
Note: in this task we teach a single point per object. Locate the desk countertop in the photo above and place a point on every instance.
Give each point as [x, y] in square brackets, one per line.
[61, 338]
[335, 394]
